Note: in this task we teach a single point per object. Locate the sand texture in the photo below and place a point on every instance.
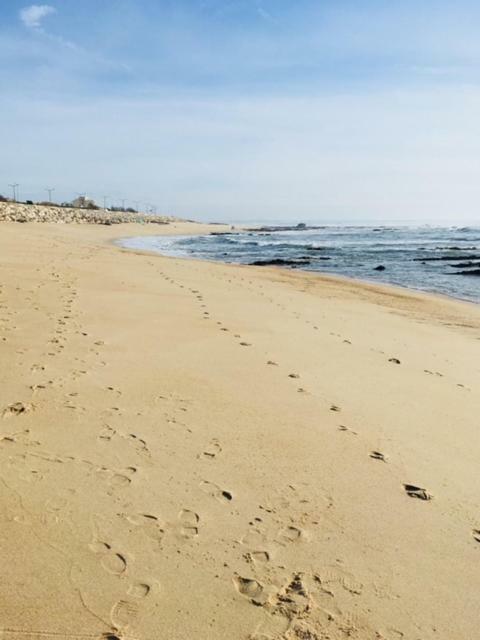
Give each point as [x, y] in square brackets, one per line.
[204, 451]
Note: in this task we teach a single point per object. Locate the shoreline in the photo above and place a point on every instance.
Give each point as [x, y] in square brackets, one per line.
[200, 449]
[327, 276]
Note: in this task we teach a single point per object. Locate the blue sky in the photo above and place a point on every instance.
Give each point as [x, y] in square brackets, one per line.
[246, 109]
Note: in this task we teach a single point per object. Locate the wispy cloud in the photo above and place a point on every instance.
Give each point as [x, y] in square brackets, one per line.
[33, 15]
[263, 13]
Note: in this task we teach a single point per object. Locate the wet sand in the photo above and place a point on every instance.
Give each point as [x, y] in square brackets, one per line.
[198, 450]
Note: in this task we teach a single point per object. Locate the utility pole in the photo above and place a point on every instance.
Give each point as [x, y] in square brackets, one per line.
[49, 191]
[123, 204]
[14, 189]
[105, 202]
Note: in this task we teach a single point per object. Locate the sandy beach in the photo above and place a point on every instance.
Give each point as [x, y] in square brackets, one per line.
[198, 450]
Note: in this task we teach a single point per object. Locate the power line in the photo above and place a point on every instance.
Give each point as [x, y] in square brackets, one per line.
[14, 189]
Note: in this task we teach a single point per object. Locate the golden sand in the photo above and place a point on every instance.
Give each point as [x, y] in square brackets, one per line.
[204, 451]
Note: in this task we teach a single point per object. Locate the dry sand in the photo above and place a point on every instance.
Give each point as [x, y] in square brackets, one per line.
[195, 450]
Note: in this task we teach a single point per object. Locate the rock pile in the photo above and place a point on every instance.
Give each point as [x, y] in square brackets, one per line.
[17, 212]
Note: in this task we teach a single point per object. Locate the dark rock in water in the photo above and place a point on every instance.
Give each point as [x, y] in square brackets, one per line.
[465, 265]
[471, 256]
[456, 248]
[471, 272]
[379, 268]
[296, 227]
[280, 262]
[316, 248]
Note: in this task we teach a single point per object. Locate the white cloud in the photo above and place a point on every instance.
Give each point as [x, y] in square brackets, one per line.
[33, 15]
[263, 13]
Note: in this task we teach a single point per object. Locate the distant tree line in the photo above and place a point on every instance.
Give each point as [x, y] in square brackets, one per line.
[123, 210]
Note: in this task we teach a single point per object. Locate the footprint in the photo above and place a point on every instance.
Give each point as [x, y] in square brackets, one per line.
[117, 480]
[476, 534]
[124, 614]
[149, 525]
[293, 602]
[245, 344]
[334, 407]
[259, 557]
[290, 534]
[107, 433]
[376, 455]
[16, 409]
[143, 445]
[248, 587]
[99, 547]
[189, 523]
[212, 450]
[114, 563]
[416, 492]
[214, 490]
[139, 590]
[293, 375]
[330, 577]
[342, 427]
[254, 538]
[394, 360]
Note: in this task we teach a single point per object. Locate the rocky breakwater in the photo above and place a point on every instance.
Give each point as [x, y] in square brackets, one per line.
[17, 212]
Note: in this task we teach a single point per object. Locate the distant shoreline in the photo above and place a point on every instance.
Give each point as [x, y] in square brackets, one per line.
[123, 243]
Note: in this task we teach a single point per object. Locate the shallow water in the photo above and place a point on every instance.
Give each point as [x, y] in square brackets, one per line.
[348, 251]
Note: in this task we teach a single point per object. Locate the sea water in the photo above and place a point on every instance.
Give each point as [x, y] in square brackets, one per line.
[405, 256]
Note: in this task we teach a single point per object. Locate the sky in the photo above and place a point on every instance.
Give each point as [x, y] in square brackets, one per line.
[260, 110]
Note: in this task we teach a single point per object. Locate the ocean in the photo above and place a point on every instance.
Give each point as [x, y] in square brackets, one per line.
[442, 260]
